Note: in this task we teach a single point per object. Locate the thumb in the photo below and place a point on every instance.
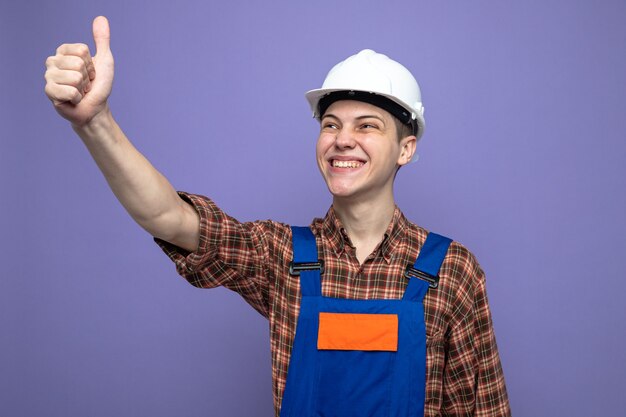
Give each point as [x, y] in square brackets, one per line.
[101, 34]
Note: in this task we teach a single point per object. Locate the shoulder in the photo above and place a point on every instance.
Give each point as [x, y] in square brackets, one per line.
[461, 263]
[460, 267]
[461, 278]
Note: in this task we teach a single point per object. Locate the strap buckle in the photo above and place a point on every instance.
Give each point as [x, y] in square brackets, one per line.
[296, 267]
[433, 281]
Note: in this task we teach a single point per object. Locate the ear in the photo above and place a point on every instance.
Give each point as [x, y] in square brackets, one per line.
[407, 149]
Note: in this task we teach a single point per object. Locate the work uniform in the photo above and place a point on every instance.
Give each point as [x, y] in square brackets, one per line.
[463, 372]
[354, 358]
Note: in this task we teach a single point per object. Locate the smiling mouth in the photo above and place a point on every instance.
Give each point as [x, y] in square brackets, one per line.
[346, 164]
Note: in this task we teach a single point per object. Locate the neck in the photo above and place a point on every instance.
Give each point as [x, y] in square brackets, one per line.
[365, 222]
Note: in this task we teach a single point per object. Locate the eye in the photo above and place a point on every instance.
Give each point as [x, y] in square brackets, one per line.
[369, 126]
[329, 125]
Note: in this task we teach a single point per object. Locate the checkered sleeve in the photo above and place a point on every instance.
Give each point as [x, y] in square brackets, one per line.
[473, 379]
[491, 395]
[232, 254]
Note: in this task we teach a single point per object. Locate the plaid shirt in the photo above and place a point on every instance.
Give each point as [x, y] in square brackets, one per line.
[464, 375]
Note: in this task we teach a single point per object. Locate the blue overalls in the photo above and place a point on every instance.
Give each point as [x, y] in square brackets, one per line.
[359, 358]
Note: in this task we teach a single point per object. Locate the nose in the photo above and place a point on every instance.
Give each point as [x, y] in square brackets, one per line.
[344, 139]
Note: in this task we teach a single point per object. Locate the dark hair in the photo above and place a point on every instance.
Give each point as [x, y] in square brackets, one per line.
[403, 129]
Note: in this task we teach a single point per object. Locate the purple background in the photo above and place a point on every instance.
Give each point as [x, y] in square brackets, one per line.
[523, 160]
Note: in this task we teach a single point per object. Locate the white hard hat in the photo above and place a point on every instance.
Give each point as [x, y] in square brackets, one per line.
[372, 77]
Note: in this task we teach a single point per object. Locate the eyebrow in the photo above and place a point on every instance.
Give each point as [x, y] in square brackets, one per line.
[365, 116]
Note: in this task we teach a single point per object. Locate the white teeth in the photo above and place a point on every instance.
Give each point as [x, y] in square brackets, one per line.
[346, 164]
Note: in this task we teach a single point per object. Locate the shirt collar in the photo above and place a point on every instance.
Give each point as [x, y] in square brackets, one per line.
[338, 237]
[396, 233]
[335, 232]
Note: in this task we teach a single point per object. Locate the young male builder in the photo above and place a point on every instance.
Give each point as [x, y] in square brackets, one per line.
[370, 315]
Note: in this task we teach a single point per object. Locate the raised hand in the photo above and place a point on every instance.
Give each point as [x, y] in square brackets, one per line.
[77, 83]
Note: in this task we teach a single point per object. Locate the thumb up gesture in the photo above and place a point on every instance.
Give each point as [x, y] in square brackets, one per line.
[77, 83]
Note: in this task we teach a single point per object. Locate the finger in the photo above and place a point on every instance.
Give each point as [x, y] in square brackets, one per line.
[63, 93]
[70, 63]
[101, 34]
[68, 77]
[79, 50]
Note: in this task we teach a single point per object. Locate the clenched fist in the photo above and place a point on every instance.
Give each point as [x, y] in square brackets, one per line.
[77, 83]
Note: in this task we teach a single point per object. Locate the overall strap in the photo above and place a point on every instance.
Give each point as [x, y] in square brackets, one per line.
[305, 262]
[425, 272]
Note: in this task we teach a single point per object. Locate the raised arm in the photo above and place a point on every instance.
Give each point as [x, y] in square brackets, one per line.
[79, 86]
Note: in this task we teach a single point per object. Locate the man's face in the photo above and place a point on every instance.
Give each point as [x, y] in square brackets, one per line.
[358, 151]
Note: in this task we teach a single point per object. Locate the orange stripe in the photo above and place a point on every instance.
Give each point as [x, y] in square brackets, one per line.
[348, 331]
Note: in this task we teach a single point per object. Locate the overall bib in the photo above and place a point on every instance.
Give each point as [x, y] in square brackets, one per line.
[359, 358]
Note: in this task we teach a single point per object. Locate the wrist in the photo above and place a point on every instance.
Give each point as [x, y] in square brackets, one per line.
[102, 121]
